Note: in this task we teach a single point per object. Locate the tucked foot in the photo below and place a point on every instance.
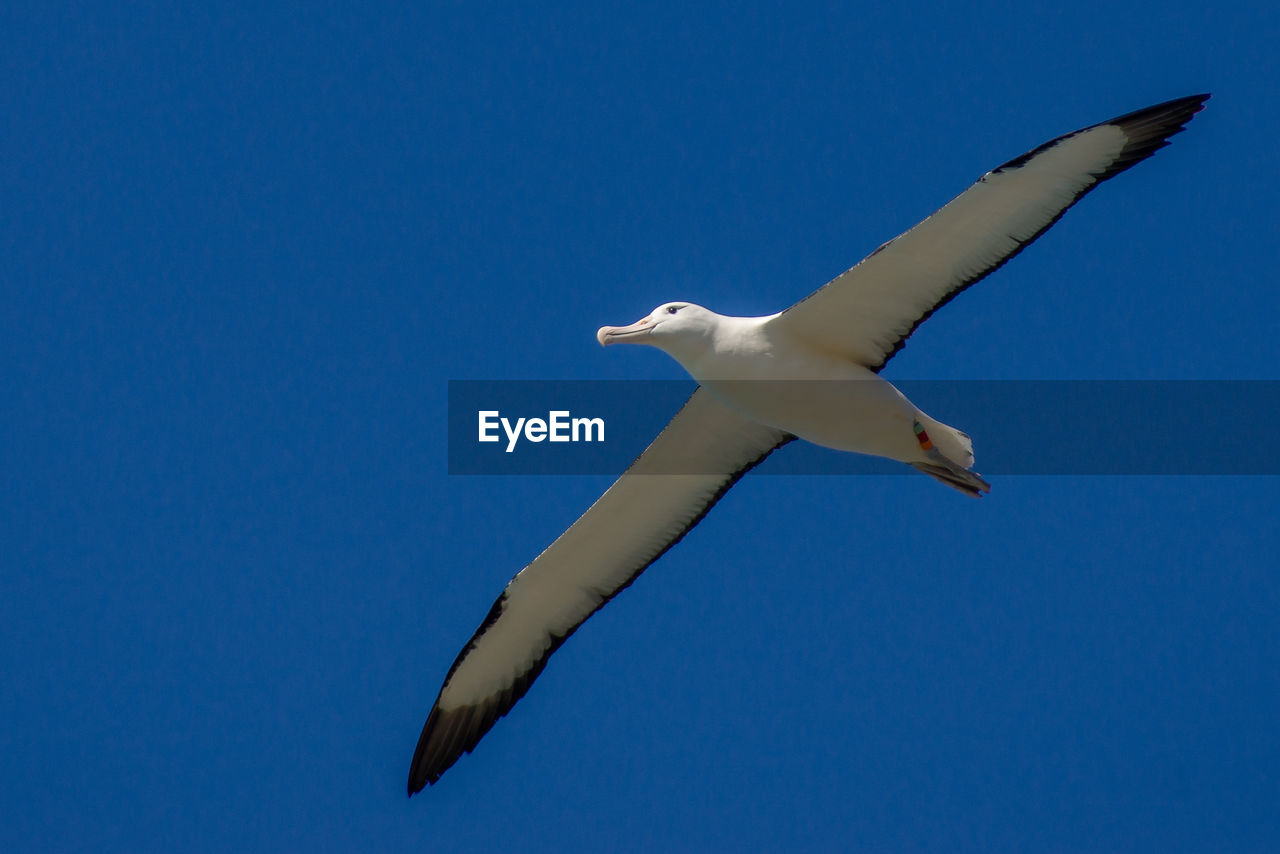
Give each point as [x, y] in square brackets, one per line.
[955, 476]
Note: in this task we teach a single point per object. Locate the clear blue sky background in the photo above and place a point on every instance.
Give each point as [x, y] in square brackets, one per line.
[245, 248]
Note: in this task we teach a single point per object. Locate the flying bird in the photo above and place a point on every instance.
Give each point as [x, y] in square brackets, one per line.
[809, 372]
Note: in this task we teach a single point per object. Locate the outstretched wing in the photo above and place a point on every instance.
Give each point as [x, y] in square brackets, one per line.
[702, 452]
[867, 313]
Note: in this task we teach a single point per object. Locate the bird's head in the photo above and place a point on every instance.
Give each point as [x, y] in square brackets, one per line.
[679, 328]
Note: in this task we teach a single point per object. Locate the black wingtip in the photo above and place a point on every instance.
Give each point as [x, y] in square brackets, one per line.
[1163, 119]
[1188, 104]
[1148, 129]
[449, 733]
[432, 756]
[438, 748]
[1151, 128]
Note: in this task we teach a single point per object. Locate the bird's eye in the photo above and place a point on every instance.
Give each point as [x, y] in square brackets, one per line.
[672, 309]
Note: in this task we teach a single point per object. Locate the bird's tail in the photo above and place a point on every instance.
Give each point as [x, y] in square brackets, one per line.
[943, 465]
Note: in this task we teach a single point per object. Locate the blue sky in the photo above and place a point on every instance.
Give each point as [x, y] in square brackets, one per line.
[246, 248]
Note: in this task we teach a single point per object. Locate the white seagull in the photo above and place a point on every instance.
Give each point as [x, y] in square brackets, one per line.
[764, 381]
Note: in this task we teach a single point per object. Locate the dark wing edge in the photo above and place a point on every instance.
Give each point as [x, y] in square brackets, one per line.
[448, 734]
[1148, 129]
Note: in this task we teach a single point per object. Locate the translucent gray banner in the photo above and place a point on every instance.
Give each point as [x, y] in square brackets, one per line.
[1018, 427]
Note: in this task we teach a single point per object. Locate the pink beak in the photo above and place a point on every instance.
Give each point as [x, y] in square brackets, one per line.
[613, 334]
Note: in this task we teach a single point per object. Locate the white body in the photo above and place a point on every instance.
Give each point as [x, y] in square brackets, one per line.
[758, 368]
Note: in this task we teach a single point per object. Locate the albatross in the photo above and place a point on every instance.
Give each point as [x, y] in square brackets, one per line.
[809, 372]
